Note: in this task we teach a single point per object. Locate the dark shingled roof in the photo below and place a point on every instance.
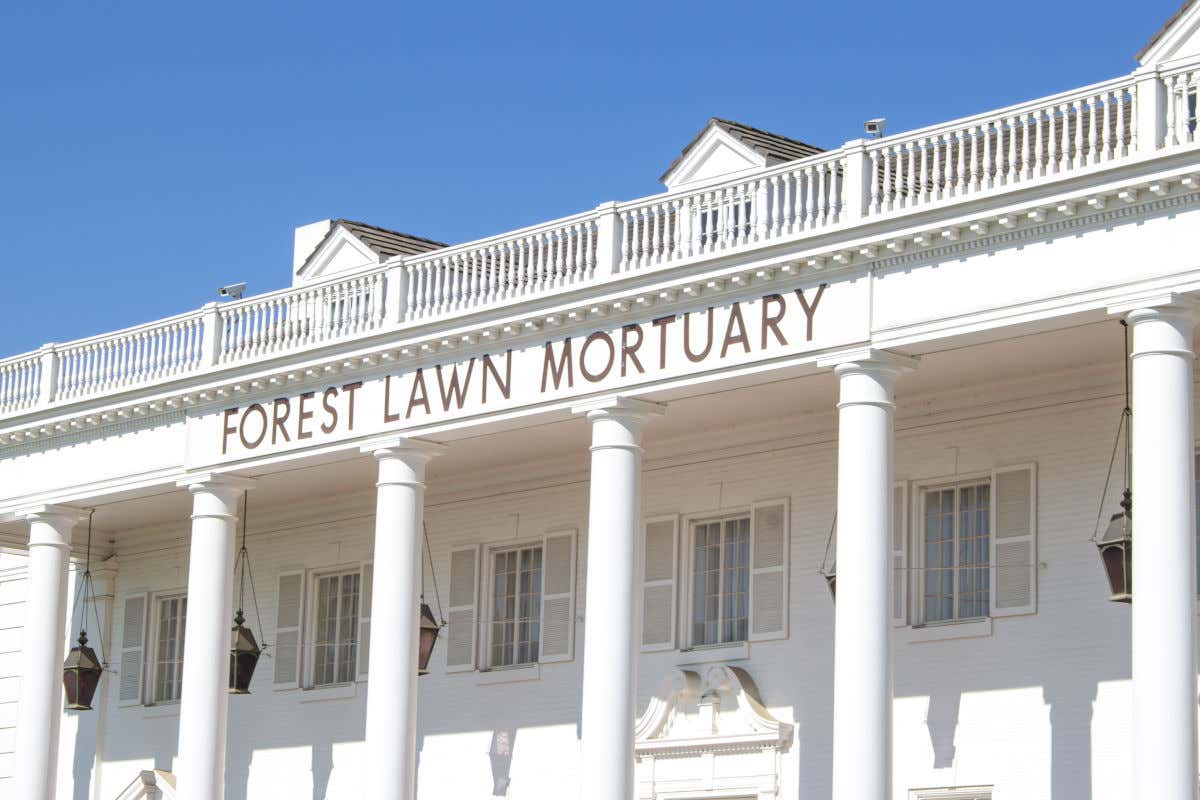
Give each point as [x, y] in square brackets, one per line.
[385, 242]
[1154, 39]
[776, 148]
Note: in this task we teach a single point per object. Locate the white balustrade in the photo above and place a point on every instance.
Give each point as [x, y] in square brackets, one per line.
[797, 197]
[20, 378]
[529, 262]
[129, 358]
[283, 321]
[1183, 91]
[1040, 140]
[1016, 145]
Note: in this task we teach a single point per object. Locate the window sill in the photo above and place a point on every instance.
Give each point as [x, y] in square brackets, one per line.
[967, 629]
[530, 672]
[709, 654]
[162, 710]
[319, 694]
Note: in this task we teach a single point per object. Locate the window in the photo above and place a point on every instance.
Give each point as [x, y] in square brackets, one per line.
[516, 606]
[512, 605]
[168, 648]
[717, 580]
[335, 641]
[721, 581]
[956, 523]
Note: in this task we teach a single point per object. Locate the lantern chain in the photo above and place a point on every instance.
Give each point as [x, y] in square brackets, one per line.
[86, 595]
[245, 570]
[1124, 426]
[432, 575]
[829, 543]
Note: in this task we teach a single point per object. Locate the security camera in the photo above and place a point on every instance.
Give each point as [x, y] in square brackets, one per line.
[233, 291]
[874, 127]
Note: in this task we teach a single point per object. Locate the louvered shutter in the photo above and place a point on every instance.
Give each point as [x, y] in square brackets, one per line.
[288, 618]
[768, 570]
[900, 579]
[364, 621]
[1014, 540]
[558, 596]
[133, 650]
[461, 618]
[660, 560]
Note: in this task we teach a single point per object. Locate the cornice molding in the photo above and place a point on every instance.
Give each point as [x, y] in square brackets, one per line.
[718, 278]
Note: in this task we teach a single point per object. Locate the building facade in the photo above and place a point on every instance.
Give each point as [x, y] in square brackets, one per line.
[624, 456]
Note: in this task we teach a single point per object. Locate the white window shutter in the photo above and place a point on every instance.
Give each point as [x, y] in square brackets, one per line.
[364, 621]
[769, 570]
[558, 596]
[1014, 540]
[462, 615]
[900, 580]
[288, 619]
[660, 564]
[133, 649]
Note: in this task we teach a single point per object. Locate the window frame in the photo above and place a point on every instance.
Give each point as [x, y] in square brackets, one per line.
[486, 603]
[150, 667]
[308, 638]
[687, 574]
[916, 546]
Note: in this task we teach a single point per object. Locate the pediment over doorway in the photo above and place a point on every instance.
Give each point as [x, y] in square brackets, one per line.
[709, 733]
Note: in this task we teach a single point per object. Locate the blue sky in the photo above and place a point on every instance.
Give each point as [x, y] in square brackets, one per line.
[152, 152]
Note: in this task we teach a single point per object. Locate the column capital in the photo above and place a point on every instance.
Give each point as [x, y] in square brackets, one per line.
[868, 359]
[52, 514]
[619, 407]
[1158, 305]
[208, 481]
[402, 447]
[57, 524]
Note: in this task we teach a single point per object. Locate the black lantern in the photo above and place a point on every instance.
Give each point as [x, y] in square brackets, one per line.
[429, 635]
[430, 626]
[82, 667]
[81, 675]
[1116, 552]
[243, 647]
[243, 656]
[1116, 543]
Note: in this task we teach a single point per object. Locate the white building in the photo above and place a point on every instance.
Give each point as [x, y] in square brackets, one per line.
[626, 433]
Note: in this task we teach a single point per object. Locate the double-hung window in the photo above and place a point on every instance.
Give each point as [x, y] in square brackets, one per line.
[171, 619]
[516, 602]
[721, 581]
[956, 576]
[335, 629]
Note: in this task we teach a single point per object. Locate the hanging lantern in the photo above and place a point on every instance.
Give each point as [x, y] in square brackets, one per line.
[429, 635]
[1116, 543]
[81, 675]
[243, 647]
[243, 656]
[430, 626]
[82, 667]
[1116, 553]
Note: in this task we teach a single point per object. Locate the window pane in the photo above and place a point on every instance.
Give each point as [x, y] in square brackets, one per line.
[973, 551]
[168, 669]
[939, 555]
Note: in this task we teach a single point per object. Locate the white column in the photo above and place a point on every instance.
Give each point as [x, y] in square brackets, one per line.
[204, 699]
[1164, 557]
[41, 700]
[862, 673]
[609, 650]
[395, 630]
